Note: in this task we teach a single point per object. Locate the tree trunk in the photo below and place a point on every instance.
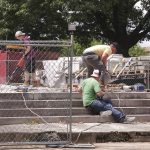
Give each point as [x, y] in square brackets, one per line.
[124, 51]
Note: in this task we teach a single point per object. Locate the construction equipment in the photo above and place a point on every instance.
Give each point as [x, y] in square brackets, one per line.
[21, 62]
[129, 70]
[19, 65]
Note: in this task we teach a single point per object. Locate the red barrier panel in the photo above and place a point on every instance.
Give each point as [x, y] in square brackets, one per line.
[9, 60]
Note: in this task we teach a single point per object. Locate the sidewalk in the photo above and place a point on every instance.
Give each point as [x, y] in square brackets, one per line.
[81, 132]
[98, 146]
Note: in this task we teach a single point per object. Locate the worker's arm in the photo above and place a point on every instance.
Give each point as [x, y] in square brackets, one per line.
[104, 58]
[101, 91]
[27, 50]
[80, 89]
[103, 88]
[100, 94]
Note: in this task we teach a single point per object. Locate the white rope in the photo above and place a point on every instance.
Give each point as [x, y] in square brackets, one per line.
[32, 110]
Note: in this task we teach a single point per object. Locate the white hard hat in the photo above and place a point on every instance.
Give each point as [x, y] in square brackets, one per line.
[95, 73]
[19, 33]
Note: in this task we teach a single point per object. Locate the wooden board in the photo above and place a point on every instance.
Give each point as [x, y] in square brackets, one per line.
[15, 47]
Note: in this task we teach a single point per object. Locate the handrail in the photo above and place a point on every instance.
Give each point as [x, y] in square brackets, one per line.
[124, 67]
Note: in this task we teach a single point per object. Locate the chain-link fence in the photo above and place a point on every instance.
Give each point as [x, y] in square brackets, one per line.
[36, 88]
[35, 91]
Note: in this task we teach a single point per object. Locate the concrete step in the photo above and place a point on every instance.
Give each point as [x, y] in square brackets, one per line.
[36, 96]
[66, 103]
[56, 106]
[53, 119]
[39, 104]
[128, 95]
[131, 102]
[75, 103]
[134, 110]
[41, 111]
[64, 111]
[66, 95]
[65, 119]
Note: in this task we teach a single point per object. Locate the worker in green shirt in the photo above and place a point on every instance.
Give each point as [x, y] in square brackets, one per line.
[92, 96]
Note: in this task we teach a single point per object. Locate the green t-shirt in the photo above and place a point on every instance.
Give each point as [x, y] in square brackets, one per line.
[89, 87]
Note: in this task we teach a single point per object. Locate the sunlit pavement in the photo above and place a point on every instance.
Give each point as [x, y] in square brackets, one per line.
[98, 146]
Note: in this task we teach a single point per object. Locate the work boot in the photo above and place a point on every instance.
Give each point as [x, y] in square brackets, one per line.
[128, 120]
[26, 76]
[34, 84]
[26, 83]
[105, 113]
[38, 83]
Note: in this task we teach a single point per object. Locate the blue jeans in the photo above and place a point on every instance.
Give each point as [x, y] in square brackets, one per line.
[103, 105]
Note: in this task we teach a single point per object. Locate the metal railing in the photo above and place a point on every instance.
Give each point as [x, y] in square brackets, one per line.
[132, 71]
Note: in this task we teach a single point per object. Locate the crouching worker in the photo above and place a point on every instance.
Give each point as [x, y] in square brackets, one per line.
[92, 100]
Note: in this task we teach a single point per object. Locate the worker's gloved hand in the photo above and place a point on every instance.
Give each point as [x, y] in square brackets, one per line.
[24, 55]
[99, 98]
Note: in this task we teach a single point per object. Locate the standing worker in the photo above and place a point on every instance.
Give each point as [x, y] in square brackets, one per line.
[29, 57]
[95, 57]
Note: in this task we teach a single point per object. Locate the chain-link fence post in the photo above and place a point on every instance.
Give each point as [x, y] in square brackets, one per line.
[71, 28]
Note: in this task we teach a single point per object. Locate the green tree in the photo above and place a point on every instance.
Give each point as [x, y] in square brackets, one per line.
[96, 42]
[40, 18]
[78, 48]
[112, 20]
[106, 20]
[136, 51]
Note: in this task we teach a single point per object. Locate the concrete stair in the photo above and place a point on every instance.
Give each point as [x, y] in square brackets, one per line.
[55, 107]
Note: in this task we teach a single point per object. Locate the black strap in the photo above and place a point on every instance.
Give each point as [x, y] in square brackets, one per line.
[89, 53]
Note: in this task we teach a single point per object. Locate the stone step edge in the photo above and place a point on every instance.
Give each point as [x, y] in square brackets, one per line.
[74, 116]
[75, 119]
[79, 100]
[68, 108]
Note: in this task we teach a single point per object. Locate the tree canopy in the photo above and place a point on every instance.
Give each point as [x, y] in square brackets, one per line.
[41, 18]
[112, 20]
[107, 20]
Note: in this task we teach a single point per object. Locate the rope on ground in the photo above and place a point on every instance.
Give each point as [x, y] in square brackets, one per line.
[30, 108]
[117, 95]
[85, 130]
